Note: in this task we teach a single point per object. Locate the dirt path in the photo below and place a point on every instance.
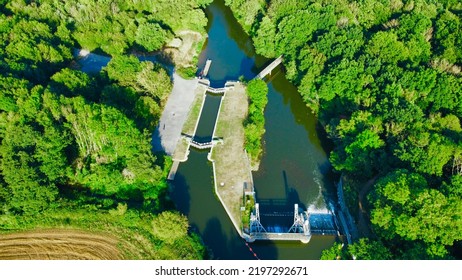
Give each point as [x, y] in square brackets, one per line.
[168, 132]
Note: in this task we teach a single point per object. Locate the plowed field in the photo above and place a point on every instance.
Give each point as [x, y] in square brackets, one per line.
[52, 244]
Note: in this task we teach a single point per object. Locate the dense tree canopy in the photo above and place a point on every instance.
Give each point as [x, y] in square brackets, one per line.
[384, 78]
[76, 147]
[111, 26]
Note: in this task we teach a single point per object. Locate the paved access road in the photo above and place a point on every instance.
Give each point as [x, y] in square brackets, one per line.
[176, 111]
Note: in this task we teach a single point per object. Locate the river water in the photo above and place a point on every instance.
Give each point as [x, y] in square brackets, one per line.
[294, 167]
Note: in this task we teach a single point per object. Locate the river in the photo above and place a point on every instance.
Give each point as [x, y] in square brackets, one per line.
[294, 167]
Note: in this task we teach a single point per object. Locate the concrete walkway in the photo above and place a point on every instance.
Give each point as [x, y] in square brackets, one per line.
[168, 132]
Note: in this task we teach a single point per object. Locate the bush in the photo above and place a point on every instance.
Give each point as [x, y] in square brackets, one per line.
[254, 126]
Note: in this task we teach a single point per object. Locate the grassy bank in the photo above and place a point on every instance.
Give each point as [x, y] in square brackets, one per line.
[232, 168]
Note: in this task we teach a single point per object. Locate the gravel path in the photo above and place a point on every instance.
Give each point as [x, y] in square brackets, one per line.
[168, 132]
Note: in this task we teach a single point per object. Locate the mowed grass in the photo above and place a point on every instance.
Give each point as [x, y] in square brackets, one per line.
[231, 164]
[59, 244]
[190, 123]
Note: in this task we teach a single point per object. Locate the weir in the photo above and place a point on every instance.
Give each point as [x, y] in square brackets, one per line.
[304, 225]
[275, 225]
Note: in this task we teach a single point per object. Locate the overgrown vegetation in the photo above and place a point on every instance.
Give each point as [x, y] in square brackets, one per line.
[384, 78]
[115, 27]
[75, 146]
[254, 125]
[249, 205]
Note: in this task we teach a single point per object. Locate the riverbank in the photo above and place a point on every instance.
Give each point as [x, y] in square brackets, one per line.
[231, 165]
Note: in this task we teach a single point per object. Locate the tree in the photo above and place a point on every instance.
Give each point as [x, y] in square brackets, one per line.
[265, 38]
[254, 126]
[73, 83]
[387, 47]
[366, 249]
[124, 69]
[170, 226]
[336, 252]
[447, 26]
[150, 36]
[30, 191]
[404, 207]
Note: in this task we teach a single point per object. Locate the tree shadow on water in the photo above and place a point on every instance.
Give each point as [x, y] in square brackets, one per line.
[180, 195]
[285, 204]
[230, 246]
[156, 141]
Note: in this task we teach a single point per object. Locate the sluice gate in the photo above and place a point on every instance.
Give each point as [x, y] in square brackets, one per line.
[298, 225]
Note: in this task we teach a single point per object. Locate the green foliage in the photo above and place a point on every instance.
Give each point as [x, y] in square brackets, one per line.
[186, 73]
[150, 36]
[73, 145]
[170, 226]
[117, 26]
[73, 83]
[365, 249]
[336, 252]
[448, 44]
[265, 43]
[145, 77]
[249, 204]
[403, 206]
[30, 48]
[246, 11]
[254, 126]
[387, 47]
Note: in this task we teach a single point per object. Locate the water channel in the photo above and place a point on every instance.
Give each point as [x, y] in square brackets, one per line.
[294, 167]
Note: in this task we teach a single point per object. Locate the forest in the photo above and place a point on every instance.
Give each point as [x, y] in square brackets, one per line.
[75, 148]
[384, 79]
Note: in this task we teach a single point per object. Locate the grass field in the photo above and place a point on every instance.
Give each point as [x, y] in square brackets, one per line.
[58, 244]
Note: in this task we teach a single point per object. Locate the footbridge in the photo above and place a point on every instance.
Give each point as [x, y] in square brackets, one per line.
[269, 68]
[201, 146]
[194, 142]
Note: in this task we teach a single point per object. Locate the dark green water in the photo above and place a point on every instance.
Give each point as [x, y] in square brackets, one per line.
[206, 123]
[294, 167]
